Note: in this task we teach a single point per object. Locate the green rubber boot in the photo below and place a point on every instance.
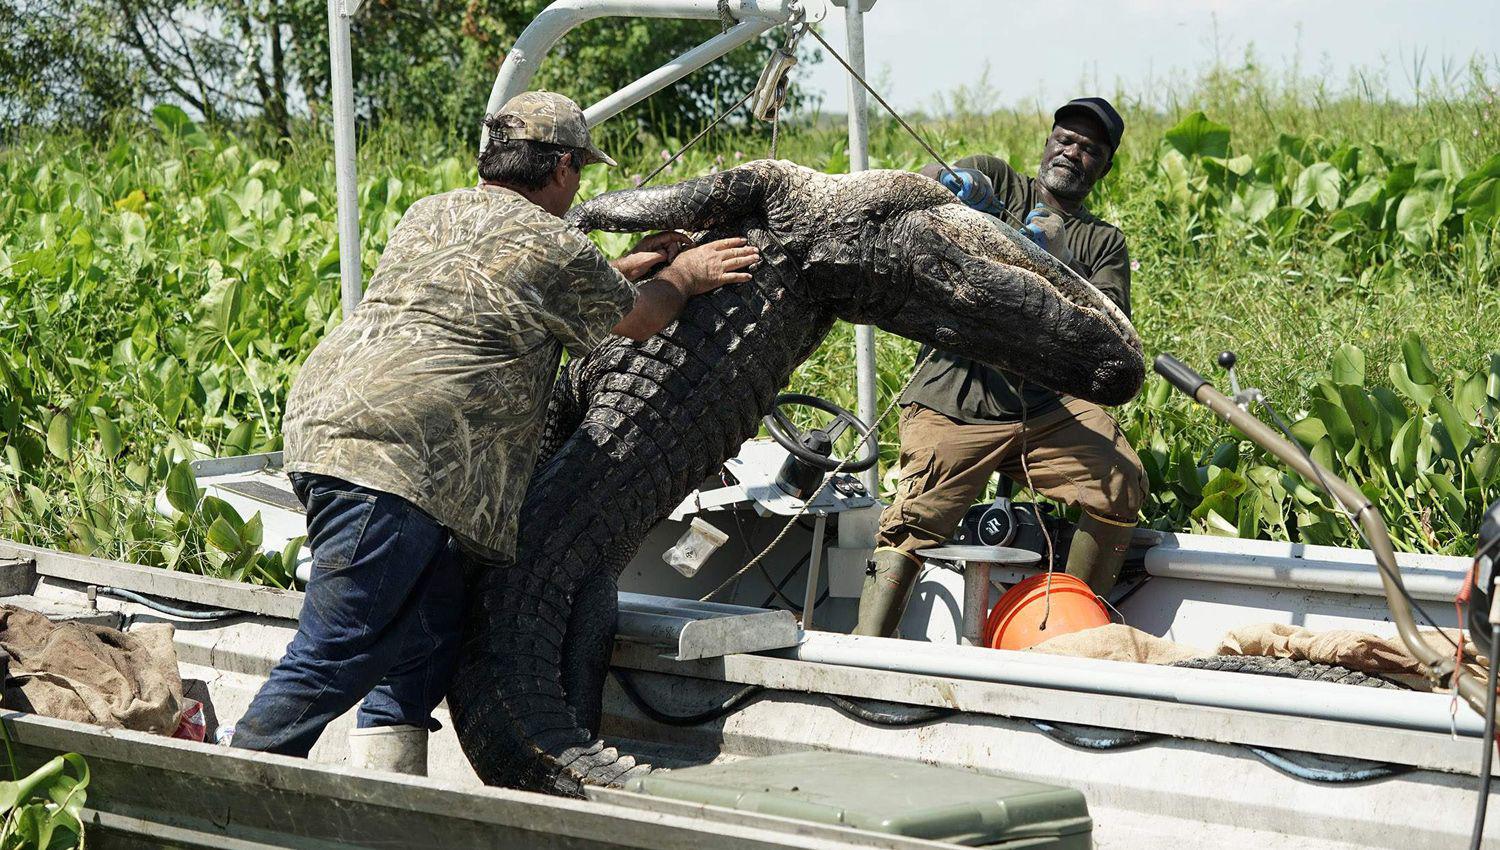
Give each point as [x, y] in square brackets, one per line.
[888, 582]
[1098, 552]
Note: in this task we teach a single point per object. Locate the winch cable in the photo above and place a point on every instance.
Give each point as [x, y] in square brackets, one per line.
[878, 99]
[1036, 509]
[694, 140]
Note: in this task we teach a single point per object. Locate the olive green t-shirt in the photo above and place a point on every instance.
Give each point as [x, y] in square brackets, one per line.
[435, 387]
[972, 392]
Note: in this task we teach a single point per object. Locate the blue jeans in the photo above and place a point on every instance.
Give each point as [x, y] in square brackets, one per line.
[381, 621]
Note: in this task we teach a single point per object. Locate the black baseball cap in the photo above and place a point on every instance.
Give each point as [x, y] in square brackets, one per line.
[1100, 110]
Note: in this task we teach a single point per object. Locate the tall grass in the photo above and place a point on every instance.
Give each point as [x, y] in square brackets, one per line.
[159, 285]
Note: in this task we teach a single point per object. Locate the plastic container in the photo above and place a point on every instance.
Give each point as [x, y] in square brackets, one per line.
[694, 547]
[887, 795]
[1016, 621]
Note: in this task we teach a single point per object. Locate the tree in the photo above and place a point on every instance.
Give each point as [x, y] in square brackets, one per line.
[433, 60]
[56, 66]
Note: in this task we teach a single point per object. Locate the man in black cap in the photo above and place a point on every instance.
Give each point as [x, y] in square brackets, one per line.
[962, 421]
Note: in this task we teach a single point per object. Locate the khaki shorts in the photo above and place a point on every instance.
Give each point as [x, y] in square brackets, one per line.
[1076, 454]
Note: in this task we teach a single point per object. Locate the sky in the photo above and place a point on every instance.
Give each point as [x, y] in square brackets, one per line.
[1044, 53]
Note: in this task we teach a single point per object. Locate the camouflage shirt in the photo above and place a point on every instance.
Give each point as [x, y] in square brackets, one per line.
[434, 389]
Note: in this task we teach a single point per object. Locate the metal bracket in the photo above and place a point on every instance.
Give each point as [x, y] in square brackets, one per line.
[703, 629]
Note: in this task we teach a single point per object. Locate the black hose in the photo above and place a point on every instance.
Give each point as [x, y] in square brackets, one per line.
[1489, 743]
[881, 717]
[172, 610]
[737, 700]
[708, 715]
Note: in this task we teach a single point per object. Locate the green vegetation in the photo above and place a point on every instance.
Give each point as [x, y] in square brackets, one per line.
[160, 284]
[44, 809]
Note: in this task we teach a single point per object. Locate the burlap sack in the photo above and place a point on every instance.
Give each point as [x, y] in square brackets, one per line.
[91, 674]
[1360, 651]
[1116, 642]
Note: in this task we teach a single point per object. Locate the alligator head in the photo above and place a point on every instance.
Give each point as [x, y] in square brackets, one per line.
[897, 250]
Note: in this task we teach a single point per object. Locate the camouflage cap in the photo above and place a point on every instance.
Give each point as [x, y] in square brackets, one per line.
[552, 118]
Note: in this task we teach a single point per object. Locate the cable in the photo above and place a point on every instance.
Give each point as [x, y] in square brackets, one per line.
[776, 586]
[172, 610]
[1323, 483]
[880, 717]
[708, 715]
[875, 94]
[1489, 743]
[694, 140]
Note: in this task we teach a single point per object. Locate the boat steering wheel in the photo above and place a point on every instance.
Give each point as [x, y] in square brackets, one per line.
[815, 446]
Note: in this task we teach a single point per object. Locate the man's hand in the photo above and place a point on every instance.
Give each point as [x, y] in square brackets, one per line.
[711, 265]
[654, 250]
[695, 271]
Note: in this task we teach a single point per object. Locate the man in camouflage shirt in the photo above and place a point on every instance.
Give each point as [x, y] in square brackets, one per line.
[412, 429]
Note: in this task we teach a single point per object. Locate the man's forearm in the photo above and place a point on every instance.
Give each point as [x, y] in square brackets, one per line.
[657, 302]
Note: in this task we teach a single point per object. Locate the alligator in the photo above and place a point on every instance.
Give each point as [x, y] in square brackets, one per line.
[633, 427]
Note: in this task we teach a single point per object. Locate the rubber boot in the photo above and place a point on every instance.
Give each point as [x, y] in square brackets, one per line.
[1098, 552]
[889, 579]
[396, 749]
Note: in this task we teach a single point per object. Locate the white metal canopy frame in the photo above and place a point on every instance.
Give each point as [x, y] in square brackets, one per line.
[751, 18]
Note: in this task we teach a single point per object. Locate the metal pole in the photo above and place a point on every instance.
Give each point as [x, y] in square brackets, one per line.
[741, 33]
[560, 16]
[814, 570]
[341, 90]
[976, 601]
[859, 160]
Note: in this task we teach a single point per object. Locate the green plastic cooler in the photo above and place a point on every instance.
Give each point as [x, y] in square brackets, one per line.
[888, 795]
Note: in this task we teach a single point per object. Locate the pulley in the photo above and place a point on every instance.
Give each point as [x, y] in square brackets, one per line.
[771, 90]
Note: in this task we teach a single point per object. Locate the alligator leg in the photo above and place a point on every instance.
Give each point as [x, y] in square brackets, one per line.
[590, 642]
[700, 204]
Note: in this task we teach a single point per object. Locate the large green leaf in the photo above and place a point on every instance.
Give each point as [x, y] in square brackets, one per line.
[223, 536]
[1486, 465]
[1308, 431]
[109, 435]
[182, 489]
[1418, 366]
[1349, 365]
[1196, 136]
[1259, 203]
[1420, 394]
[1458, 430]
[1404, 448]
[1336, 420]
[1440, 155]
[1319, 183]
[60, 437]
[1363, 415]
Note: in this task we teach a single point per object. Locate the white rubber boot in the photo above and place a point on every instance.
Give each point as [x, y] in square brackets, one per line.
[398, 749]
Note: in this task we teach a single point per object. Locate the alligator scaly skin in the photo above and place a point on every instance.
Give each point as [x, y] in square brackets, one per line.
[634, 427]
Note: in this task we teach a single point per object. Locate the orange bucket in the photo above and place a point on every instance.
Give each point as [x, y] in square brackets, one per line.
[1016, 621]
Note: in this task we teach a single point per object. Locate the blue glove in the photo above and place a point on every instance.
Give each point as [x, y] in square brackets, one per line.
[973, 188]
[1045, 227]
